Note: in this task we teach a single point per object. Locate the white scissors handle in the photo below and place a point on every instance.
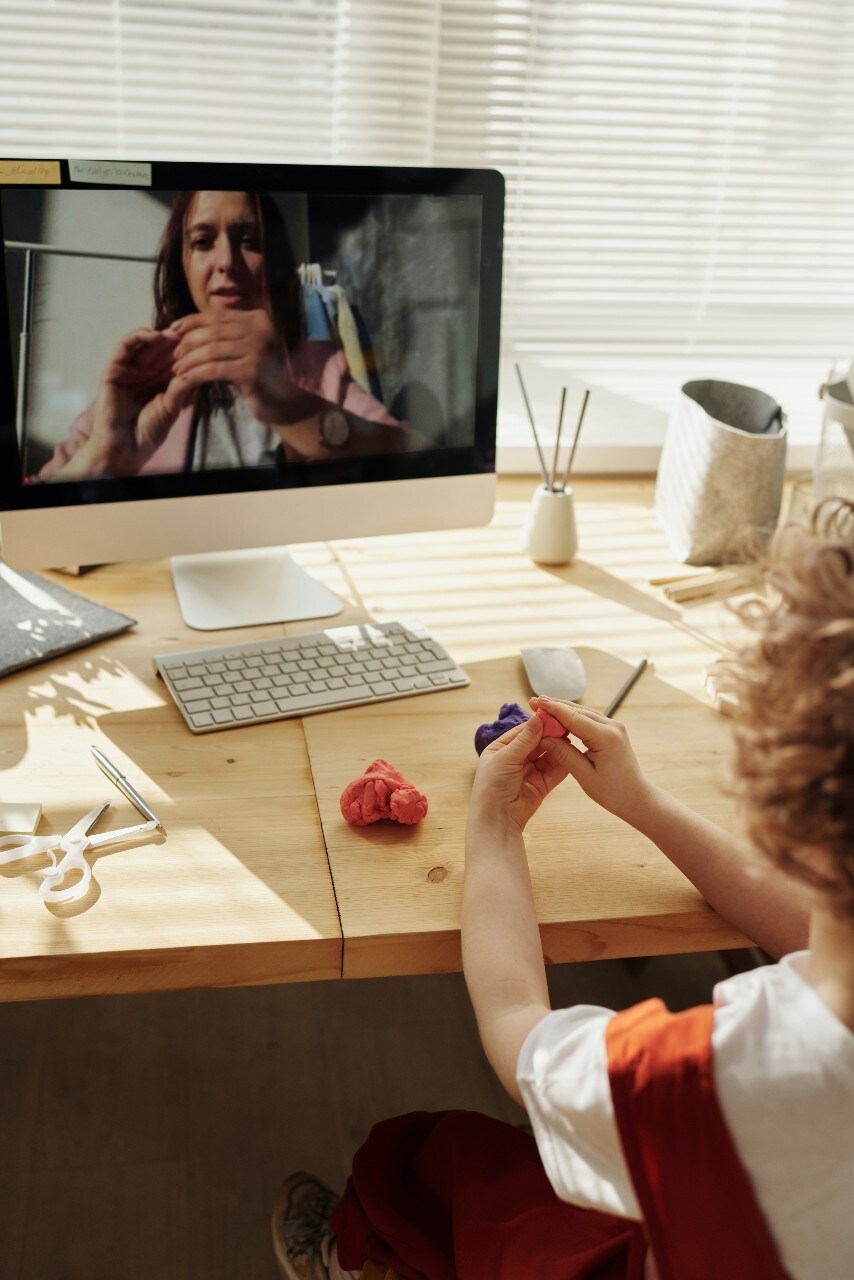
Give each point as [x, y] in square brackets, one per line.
[14, 847]
[49, 890]
[24, 846]
[72, 846]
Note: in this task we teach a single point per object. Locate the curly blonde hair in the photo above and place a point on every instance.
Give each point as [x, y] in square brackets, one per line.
[794, 735]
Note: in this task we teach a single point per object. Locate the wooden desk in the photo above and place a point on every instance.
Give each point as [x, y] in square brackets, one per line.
[241, 892]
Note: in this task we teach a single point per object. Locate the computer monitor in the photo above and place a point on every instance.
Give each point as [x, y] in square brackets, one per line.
[220, 358]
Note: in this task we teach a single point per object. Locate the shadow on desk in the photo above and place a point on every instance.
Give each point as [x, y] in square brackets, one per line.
[63, 690]
[599, 582]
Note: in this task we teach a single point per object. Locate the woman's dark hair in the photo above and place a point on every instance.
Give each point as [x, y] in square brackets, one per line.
[172, 296]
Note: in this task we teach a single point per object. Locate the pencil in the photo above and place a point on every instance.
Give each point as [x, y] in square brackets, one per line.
[621, 693]
[533, 428]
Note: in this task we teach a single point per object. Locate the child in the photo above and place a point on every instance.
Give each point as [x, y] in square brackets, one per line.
[718, 1142]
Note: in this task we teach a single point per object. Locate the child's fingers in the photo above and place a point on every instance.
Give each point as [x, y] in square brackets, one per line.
[520, 741]
[589, 727]
[562, 758]
[544, 701]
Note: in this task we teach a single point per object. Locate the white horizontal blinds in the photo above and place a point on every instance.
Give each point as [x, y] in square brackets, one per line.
[193, 79]
[680, 185]
[680, 176]
[384, 81]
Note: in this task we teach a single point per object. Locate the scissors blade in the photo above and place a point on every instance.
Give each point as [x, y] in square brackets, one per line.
[80, 829]
[110, 837]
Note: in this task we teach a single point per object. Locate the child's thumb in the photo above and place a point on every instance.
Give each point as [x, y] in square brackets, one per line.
[526, 739]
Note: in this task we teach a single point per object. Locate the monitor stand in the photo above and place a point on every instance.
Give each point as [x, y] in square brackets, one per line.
[247, 589]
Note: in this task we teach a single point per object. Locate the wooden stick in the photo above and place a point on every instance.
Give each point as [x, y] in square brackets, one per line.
[675, 577]
[557, 437]
[577, 434]
[533, 428]
[711, 584]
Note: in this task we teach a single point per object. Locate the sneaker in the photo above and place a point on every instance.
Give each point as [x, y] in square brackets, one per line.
[301, 1235]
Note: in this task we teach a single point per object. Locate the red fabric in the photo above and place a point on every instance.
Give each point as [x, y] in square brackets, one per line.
[698, 1204]
[459, 1196]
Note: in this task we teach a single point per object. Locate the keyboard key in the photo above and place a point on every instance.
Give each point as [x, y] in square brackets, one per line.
[223, 716]
[383, 686]
[438, 664]
[194, 707]
[265, 708]
[201, 720]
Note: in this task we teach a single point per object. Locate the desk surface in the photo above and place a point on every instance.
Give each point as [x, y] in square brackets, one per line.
[260, 879]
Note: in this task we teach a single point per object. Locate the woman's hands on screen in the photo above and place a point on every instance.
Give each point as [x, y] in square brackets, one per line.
[138, 400]
[238, 347]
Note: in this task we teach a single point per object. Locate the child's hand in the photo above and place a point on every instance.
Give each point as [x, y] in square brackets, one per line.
[515, 774]
[608, 770]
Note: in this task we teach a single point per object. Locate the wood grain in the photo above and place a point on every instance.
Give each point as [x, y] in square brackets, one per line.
[248, 886]
[601, 889]
[239, 890]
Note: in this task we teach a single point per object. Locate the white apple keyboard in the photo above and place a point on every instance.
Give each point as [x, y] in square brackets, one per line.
[235, 684]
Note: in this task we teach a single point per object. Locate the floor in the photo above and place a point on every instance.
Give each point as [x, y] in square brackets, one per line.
[143, 1137]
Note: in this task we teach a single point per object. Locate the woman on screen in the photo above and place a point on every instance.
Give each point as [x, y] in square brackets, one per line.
[224, 378]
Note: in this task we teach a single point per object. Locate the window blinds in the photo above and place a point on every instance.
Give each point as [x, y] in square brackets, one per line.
[679, 175]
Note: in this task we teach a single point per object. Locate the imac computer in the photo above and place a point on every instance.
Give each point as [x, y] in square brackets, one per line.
[211, 361]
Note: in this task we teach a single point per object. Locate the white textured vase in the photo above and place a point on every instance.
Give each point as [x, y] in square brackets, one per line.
[549, 535]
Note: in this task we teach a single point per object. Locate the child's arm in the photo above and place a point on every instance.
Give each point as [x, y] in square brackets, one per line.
[758, 899]
[502, 952]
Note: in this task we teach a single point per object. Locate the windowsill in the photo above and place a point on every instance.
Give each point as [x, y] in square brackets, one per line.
[628, 458]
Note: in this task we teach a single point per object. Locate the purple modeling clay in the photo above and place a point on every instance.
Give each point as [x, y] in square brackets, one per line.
[509, 713]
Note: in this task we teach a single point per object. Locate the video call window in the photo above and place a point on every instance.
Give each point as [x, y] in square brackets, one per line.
[203, 331]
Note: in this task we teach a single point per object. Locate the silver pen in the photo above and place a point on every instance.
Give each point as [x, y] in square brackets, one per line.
[123, 785]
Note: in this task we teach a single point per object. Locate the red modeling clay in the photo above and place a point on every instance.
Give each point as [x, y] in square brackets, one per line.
[552, 728]
[382, 792]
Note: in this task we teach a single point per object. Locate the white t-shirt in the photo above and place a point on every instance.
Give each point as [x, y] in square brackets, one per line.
[784, 1074]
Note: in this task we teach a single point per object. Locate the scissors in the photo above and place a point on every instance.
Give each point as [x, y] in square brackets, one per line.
[72, 845]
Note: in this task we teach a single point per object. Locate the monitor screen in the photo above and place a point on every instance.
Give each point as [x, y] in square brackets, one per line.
[231, 328]
[210, 357]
